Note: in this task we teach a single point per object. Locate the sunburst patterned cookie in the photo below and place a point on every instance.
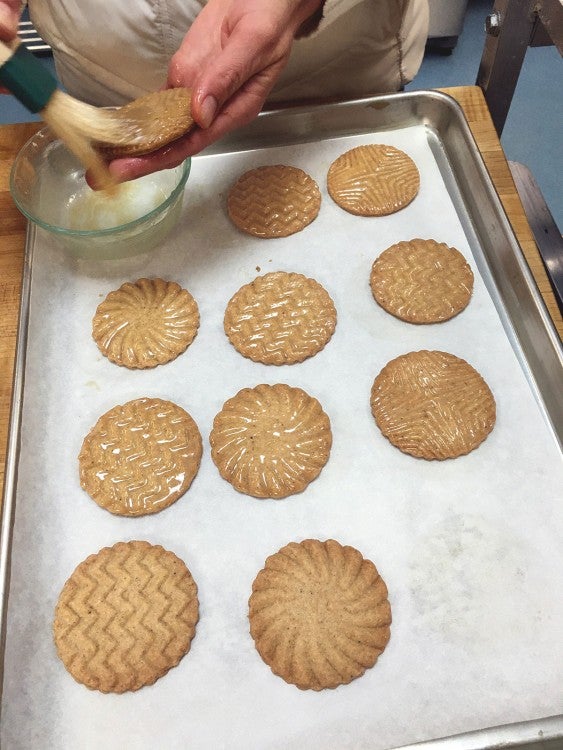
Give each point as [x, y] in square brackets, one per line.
[125, 617]
[432, 405]
[274, 201]
[145, 323]
[280, 318]
[319, 614]
[422, 281]
[271, 440]
[373, 180]
[141, 457]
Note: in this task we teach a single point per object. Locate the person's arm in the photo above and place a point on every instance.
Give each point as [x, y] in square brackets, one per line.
[231, 58]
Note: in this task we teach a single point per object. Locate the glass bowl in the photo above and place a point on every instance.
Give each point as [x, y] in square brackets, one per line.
[48, 186]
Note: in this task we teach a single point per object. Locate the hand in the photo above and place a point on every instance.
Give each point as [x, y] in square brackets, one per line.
[9, 16]
[231, 58]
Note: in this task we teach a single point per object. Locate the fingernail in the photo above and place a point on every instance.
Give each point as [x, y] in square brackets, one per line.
[208, 110]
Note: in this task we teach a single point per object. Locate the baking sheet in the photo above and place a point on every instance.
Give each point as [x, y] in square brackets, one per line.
[469, 548]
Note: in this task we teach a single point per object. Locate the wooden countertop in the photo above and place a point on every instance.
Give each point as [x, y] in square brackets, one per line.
[12, 234]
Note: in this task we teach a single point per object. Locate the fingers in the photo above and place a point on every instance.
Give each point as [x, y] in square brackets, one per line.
[9, 17]
[241, 109]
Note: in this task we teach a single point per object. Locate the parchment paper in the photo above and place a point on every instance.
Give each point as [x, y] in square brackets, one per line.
[469, 548]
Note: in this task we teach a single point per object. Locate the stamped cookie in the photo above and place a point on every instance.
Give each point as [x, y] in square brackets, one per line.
[422, 281]
[432, 405]
[141, 457]
[319, 614]
[125, 617]
[165, 116]
[280, 318]
[373, 180]
[271, 441]
[145, 323]
[274, 201]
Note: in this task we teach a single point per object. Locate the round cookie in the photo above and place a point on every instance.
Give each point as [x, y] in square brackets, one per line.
[125, 617]
[271, 440]
[145, 323]
[141, 457]
[151, 122]
[422, 281]
[319, 614]
[274, 201]
[280, 318]
[432, 405]
[373, 180]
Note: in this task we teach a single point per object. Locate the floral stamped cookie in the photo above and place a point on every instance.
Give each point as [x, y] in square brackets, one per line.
[319, 614]
[145, 323]
[271, 440]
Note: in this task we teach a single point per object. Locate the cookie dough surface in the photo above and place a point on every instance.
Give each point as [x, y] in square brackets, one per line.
[319, 614]
[274, 201]
[271, 441]
[280, 318]
[432, 405]
[141, 457]
[125, 617]
[145, 323]
[373, 180]
[422, 281]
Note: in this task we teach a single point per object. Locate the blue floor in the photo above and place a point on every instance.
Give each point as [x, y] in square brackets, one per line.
[533, 133]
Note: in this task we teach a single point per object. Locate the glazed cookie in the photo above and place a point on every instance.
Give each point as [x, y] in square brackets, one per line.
[280, 318]
[145, 323]
[422, 281]
[373, 180]
[432, 405]
[271, 441]
[165, 116]
[319, 614]
[141, 457]
[125, 617]
[274, 201]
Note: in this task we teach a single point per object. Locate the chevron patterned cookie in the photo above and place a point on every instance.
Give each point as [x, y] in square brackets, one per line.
[432, 405]
[319, 614]
[274, 201]
[373, 180]
[422, 281]
[165, 116]
[145, 323]
[141, 457]
[125, 617]
[271, 441]
[280, 318]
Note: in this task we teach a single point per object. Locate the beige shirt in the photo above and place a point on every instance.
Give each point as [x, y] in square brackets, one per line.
[108, 53]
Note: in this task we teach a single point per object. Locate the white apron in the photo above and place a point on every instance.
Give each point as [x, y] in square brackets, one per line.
[108, 52]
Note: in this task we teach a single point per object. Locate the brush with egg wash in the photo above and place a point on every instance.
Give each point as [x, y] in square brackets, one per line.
[95, 134]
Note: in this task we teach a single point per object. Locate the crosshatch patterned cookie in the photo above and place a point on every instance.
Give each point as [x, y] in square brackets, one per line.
[373, 180]
[422, 281]
[145, 323]
[319, 614]
[271, 440]
[166, 116]
[125, 617]
[141, 457]
[280, 318]
[432, 405]
[274, 201]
